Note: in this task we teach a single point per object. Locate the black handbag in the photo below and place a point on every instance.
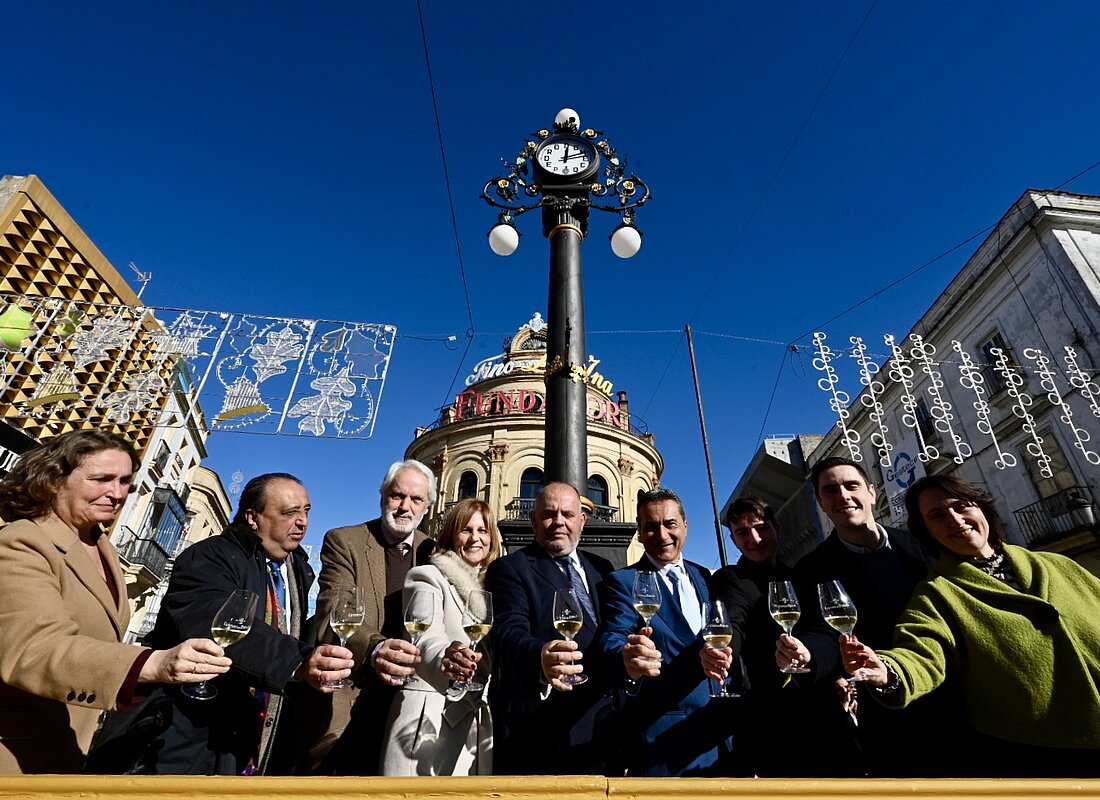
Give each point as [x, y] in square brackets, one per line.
[127, 741]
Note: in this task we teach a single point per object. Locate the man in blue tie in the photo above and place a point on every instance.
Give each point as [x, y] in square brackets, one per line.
[543, 725]
[244, 729]
[664, 666]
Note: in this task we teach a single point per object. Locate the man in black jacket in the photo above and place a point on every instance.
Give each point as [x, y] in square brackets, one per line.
[879, 568]
[767, 711]
[235, 731]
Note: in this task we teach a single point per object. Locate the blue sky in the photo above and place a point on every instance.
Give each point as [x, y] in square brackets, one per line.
[283, 158]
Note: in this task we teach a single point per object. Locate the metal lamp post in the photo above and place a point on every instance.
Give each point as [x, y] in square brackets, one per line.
[566, 172]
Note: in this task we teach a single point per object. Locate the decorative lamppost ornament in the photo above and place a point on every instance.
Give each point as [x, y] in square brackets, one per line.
[566, 172]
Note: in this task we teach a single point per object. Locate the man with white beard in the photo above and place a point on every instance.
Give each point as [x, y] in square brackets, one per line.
[345, 729]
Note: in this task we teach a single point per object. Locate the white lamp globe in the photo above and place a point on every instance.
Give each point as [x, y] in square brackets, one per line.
[569, 119]
[626, 241]
[503, 239]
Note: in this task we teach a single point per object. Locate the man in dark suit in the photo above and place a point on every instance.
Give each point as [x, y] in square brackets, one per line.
[343, 732]
[668, 705]
[878, 568]
[543, 725]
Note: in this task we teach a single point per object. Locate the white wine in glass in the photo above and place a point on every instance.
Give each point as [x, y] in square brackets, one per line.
[477, 621]
[568, 621]
[419, 614]
[348, 612]
[231, 624]
[647, 594]
[840, 612]
[784, 608]
[717, 633]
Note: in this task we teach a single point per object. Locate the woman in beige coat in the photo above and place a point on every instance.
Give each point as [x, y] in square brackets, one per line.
[435, 728]
[63, 606]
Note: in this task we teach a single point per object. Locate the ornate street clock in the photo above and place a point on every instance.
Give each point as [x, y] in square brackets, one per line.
[565, 158]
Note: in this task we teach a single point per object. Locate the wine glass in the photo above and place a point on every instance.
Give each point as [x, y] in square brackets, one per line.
[348, 611]
[231, 624]
[840, 612]
[419, 614]
[477, 621]
[647, 594]
[784, 608]
[568, 621]
[717, 633]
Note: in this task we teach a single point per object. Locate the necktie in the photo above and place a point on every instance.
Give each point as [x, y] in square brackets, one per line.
[279, 586]
[689, 607]
[403, 549]
[576, 583]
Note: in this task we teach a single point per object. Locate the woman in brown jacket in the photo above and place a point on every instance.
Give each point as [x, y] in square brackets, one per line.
[63, 605]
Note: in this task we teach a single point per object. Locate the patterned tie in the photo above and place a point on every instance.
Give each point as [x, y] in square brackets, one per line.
[280, 594]
[576, 583]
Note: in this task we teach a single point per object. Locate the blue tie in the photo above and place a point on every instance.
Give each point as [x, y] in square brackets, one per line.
[576, 583]
[691, 612]
[280, 593]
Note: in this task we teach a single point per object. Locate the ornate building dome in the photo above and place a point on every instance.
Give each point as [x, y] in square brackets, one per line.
[490, 444]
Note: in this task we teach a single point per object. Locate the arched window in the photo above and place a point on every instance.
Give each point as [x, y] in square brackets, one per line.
[597, 490]
[530, 484]
[467, 485]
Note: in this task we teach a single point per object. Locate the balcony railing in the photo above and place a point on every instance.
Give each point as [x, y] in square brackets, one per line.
[1064, 514]
[521, 508]
[148, 553]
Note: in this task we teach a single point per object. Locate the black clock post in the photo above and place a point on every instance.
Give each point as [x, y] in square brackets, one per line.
[572, 171]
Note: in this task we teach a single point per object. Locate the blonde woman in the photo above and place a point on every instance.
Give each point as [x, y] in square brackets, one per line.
[435, 728]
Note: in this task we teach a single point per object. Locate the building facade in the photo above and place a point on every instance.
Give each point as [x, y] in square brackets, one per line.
[997, 382]
[490, 444]
[81, 351]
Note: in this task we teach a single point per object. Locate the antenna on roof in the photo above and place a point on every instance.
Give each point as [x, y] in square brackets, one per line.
[143, 277]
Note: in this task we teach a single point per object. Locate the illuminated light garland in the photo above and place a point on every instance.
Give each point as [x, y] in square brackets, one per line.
[971, 378]
[1048, 382]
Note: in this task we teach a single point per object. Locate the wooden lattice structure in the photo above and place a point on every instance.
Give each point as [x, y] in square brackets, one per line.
[51, 270]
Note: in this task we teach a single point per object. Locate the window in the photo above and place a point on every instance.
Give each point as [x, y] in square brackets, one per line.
[597, 490]
[530, 484]
[925, 423]
[467, 485]
[994, 382]
[1061, 477]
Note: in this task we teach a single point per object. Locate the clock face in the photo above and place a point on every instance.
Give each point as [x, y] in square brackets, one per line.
[566, 157]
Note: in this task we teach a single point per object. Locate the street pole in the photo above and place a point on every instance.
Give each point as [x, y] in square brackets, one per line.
[566, 438]
[568, 170]
[706, 451]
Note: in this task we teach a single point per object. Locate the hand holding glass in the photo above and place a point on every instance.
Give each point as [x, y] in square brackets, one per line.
[840, 612]
[717, 633]
[477, 621]
[568, 621]
[231, 624]
[647, 595]
[784, 608]
[419, 614]
[348, 611]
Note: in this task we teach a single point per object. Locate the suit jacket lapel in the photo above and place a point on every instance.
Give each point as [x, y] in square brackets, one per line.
[80, 563]
[376, 570]
[545, 566]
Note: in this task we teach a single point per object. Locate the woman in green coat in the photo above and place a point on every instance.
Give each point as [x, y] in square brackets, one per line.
[1020, 631]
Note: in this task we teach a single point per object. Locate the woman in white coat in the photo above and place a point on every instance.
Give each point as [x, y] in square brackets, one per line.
[433, 727]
